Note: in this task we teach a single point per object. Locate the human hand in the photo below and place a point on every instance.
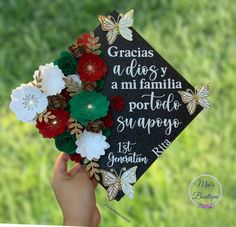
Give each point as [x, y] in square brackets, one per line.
[75, 193]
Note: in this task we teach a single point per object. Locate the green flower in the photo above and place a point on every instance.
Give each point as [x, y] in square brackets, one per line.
[106, 132]
[88, 106]
[67, 63]
[66, 142]
[100, 84]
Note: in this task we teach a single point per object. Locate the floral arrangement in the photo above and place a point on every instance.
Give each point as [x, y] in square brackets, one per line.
[64, 102]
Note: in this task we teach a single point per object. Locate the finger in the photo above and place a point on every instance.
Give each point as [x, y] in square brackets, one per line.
[60, 167]
[94, 181]
[74, 170]
[83, 170]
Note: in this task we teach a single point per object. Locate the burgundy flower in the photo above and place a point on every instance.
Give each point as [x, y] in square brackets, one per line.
[108, 121]
[76, 158]
[117, 103]
[66, 94]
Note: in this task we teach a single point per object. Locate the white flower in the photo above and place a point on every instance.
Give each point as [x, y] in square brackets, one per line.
[27, 101]
[91, 145]
[52, 79]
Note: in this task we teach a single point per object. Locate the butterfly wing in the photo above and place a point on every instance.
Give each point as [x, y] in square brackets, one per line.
[191, 106]
[128, 178]
[110, 26]
[110, 180]
[107, 23]
[128, 190]
[202, 93]
[125, 22]
[113, 190]
[188, 98]
[111, 36]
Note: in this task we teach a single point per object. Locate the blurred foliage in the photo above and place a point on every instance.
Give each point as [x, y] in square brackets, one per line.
[197, 37]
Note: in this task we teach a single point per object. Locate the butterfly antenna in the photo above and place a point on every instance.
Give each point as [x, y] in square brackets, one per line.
[123, 169]
[190, 91]
[119, 17]
[113, 19]
[114, 171]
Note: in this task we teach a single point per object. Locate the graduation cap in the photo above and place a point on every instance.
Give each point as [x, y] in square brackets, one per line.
[110, 82]
[159, 103]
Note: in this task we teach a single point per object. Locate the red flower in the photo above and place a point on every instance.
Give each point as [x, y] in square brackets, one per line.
[55, 126]
[108, 121]
[76, 158]
[117, 103]
[91, 67]
[83, 39]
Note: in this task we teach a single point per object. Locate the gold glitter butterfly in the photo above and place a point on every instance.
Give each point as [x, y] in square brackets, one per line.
[198, 97]
[120, 26]
[116, 182]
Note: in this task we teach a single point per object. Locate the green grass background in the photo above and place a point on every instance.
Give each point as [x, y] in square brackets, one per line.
[197, 37]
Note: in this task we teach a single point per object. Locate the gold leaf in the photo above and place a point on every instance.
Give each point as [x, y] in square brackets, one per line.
[44, 116]
[40, 118]
[97, 46]
[71, 125]
[90, 165]
[90, 40]
[71, 119]
[96, 39]
[93, 168]
[97, 177]
[95, 164]
[91, 173]
[71, 86]
[96, 170]
[90, 45]
[86, 161]
[52, 117]
[38, 80]
[76, 128]
[97, 52]
[93, 44]
[92, 34]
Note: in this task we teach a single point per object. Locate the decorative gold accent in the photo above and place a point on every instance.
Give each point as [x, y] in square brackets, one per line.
[89, 86]
[196, 97]
[71, 86]
[76, 128]
[38, 80]
[45, 116]
[56, 101]
[93, 44]
[95, 126]
[77, 49]
[93, 168]
[115, 27]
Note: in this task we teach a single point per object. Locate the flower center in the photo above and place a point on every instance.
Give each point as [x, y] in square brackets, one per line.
[90, 106]
[90, 67]
[30, 102]
[54, 122]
